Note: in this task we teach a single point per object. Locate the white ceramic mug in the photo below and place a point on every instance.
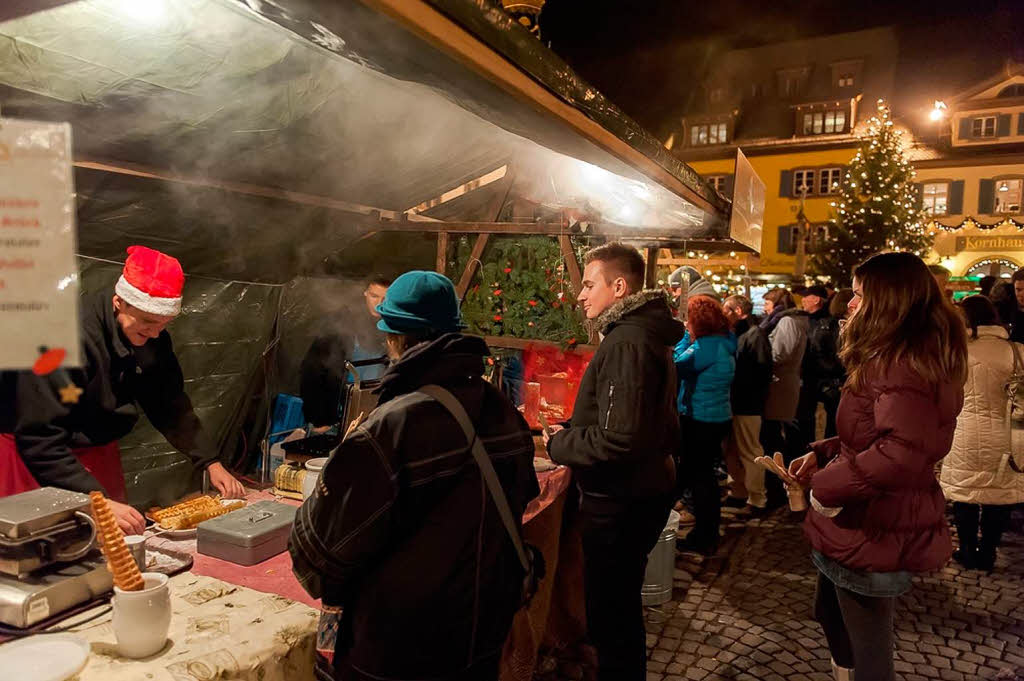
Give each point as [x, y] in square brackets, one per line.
[142, 618]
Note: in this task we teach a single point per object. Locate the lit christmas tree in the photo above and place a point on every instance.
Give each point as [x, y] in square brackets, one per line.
[877, 207]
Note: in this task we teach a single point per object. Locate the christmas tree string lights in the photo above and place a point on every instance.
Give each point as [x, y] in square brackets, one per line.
[877, 206]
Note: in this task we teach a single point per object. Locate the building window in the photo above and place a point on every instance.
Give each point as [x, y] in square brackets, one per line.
[1008, 196]
[708, 134]
[983, 127]
[717, 95]
[828, 180]
[824, 122]
[845, 80]
[803, 182]
[1015, 90]
[935, 198]
[718, 182]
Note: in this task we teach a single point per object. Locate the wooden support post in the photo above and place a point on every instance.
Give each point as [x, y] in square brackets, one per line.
[571, 264]
[442, 252]
[651, 271]
[474, 262]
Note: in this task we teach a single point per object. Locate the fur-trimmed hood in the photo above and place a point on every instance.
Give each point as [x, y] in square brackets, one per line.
[648, 308]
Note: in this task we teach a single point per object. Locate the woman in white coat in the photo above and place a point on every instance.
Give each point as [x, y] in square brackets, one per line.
[977, 476]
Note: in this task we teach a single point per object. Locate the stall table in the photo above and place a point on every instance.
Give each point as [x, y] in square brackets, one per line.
[242, 622]
[218, 631]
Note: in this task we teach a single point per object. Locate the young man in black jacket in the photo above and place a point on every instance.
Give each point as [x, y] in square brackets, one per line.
[623, 433]
[749, 394]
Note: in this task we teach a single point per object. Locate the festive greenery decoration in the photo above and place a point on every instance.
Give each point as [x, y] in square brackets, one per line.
[523, 291]
[877, 207]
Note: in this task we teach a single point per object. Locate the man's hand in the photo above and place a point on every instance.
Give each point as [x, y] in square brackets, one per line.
[225, 483]
[128, 519]
[552, 430]
[804, 467]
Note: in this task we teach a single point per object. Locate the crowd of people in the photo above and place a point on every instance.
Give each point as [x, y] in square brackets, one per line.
[901, 374]
[414, 529]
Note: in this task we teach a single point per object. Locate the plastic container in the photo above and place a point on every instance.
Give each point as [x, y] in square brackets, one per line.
[313, 468]
[661, 565]
[249, 535]
[287, 416]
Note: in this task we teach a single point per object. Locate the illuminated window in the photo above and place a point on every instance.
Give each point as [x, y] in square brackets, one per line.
[983, 127]
[828, 180]
[935, 198]
[1008, 196]
[714, 133]
[824, 122]
[845, 80]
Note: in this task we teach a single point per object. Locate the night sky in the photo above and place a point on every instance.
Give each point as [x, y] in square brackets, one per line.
[643, 54]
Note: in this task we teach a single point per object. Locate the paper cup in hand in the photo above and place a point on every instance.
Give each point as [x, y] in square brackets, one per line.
[797, 498]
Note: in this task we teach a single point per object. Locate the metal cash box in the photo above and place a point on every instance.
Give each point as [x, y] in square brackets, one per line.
[249, 535]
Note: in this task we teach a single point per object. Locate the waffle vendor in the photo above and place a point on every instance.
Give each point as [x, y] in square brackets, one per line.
[62, 429]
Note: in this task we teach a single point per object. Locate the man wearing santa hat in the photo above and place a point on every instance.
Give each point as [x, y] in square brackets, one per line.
[62, 429]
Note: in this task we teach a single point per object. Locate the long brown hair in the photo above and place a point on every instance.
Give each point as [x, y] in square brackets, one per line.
[903, 318]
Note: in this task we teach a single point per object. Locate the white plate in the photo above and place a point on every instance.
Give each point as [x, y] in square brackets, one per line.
[190, 533]
[44, 657]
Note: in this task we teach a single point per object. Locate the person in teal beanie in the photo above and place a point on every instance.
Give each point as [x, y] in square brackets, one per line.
[401, 526]
[706, 363]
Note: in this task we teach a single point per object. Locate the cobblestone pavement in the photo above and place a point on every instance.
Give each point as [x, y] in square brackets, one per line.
[746, 615]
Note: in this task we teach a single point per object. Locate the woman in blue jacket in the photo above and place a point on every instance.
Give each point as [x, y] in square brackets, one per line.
[706, 362]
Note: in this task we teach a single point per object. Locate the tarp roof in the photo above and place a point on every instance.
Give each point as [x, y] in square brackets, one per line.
[338, 102]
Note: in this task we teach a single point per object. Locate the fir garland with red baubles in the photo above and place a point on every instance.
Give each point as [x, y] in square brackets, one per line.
[524, 291]
[877, 208]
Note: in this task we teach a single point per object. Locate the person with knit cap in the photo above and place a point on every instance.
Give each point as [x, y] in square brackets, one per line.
[66, 435]
[402, 533]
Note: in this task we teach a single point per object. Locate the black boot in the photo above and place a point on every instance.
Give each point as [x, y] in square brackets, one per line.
[994, 520]
[966, 518]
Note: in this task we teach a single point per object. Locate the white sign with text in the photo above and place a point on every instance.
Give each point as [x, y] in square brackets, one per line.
[38, 271]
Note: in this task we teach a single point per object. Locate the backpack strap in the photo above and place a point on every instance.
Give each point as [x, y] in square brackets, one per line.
[455, 408]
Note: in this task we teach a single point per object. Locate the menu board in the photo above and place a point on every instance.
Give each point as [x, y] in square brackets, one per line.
[38, 272]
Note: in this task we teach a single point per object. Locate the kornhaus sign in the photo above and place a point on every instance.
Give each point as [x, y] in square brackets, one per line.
[990, 243]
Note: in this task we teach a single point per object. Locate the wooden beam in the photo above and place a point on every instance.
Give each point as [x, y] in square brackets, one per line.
[651, 268]
[431, 25]
[474, 262]
[653, 236]
[442, 252]
[135, 170]
[513, 343]
[572, 265]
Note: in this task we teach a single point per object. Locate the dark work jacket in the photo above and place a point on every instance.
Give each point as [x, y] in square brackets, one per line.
[822, 369]
[625, 427]
[1017, 326]
[118, 379]
[753, 369]
[402, 532]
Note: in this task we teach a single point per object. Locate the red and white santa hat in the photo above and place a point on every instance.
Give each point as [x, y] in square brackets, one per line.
[152, 281]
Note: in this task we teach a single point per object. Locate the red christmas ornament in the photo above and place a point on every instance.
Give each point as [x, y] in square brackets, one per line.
[508, 270]
[497, 291]
[532, 303]
[49, 361]
[497, 317]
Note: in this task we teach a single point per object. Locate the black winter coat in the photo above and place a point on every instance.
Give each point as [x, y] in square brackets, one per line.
[625, 427]
[402, 532]
[753, 377]
[822, 369]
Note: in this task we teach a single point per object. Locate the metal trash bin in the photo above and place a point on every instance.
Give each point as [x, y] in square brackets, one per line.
[661, 565]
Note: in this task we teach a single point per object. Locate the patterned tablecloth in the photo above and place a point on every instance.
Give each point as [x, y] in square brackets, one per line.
[218, 631]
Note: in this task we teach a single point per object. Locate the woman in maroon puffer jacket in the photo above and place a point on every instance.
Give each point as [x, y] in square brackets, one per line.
[878, 510]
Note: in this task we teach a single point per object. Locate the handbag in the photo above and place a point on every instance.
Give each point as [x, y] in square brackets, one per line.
[530, 557]
[1015, 394]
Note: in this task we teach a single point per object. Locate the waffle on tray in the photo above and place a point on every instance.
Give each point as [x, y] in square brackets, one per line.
[187, 514]
[119, 559]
